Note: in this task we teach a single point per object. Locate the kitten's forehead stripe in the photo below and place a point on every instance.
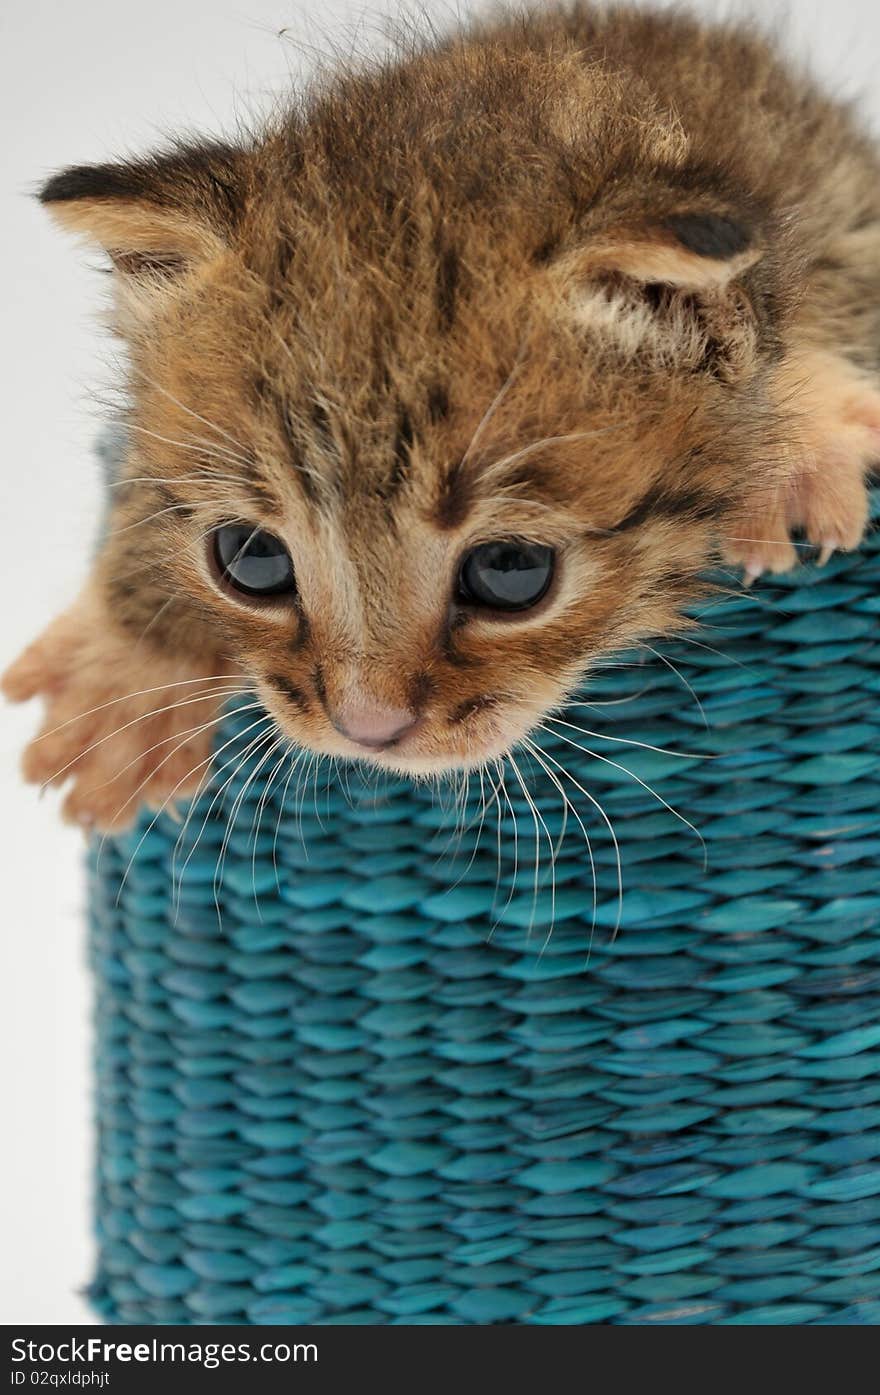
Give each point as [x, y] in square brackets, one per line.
[290, 432]
[438, 402]
[448, 279]
[320, 420]
[455, 497]
[401, 454]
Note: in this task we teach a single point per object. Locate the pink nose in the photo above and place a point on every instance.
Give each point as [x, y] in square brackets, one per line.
[373, 726]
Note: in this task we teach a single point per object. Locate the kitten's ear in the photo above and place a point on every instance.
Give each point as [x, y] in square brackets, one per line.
[672, 287]
[155, 217]
[691, 251]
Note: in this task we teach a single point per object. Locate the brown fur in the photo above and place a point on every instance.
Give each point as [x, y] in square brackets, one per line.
[606, 280]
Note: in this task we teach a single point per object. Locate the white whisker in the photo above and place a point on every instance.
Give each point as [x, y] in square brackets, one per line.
[680, 676]
[774, 542]
[611, 702]
[213, 452]
[233, 815]
[710, 649]
[211, 425]
[539, 823]
[154, 712]
[525, 451]
[214, 771]
[627, 741]
[206, 475]
[182, 737]
[255, 826]
[608, 824]
[294, 765]
[148, 518]
[514, 882]
[537, 755]
[639, 781]
[492, 409]
[139, 692]
[206, 762]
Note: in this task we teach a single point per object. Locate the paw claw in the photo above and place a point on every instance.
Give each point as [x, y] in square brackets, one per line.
[823, 494]
[828, 550]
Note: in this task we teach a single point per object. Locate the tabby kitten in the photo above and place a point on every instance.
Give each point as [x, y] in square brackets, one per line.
[455, 380]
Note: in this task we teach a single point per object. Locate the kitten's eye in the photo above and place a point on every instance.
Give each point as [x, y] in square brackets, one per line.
[509, 574]
[253, 561]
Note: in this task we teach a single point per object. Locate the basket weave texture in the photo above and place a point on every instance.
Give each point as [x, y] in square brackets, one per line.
[374, 1088]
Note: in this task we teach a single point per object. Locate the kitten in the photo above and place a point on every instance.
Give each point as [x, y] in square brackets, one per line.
[455, 380]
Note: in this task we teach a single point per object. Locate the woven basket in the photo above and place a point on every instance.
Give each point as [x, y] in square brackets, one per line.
[348, 1098]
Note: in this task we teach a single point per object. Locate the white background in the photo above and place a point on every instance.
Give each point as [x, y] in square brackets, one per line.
[80, 82]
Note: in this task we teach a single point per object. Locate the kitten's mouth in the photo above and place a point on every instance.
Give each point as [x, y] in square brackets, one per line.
[421, 746]
[421, 763]
[416, 754]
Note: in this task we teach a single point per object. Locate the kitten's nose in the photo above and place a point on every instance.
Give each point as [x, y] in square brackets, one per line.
[373, 725]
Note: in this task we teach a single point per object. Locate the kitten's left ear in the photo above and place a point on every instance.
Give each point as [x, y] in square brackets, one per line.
[681, 286]
[155, 217]
[691, 251]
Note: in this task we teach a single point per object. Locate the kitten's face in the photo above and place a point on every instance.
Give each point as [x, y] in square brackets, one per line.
[412, 446]
[412, 545]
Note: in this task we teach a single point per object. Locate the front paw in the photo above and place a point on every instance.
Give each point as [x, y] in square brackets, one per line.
[760, 538]
[122, 727]
[823, 495]
[827, 507]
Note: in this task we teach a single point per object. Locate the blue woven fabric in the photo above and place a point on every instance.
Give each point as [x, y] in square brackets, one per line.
[355, 1080]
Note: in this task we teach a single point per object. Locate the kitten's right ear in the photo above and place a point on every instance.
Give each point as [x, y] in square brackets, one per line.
[154, 217]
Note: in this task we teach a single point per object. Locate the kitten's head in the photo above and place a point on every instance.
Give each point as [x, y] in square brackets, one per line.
[440, 392]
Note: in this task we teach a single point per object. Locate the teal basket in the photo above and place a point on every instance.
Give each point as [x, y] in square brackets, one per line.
[355, 1076]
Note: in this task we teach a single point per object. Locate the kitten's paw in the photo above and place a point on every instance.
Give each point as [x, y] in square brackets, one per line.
[760, 541]
[832, 503]
[825, 497]
[122, 727]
